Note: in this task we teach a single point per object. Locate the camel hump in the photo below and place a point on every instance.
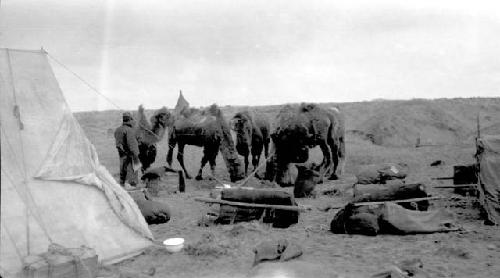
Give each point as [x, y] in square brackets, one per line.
[334, 109]
[308, 107]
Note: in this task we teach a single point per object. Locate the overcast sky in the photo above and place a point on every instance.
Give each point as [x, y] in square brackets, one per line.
[260, 52]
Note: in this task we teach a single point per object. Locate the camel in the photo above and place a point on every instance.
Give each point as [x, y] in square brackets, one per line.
[197, 128]
[151, 132]
[298, 130]
[203, 128]
[252, 135]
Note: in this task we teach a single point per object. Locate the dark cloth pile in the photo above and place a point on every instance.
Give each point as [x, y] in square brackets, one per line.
[392, 192]
[278, 218]
[307, 178]
[381, 173]
[390, 218]
[154, 212]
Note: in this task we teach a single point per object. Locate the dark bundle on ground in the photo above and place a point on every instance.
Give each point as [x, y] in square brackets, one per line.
[147, 155]
[156, 173]
[391, 192]
[437, 163]
[382, 172]
[307, 178]
[356, 220]
[154, 212]
[152, 177]
[390, 218]
[279, 218]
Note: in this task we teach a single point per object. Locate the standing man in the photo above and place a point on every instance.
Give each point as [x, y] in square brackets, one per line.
[128, 150]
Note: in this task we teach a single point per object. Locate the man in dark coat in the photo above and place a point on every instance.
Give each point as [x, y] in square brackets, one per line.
[128, 150]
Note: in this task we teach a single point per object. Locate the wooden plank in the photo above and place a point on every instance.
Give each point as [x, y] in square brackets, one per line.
[455, 186]
[252, 205]
[442, 178]
[399, 201]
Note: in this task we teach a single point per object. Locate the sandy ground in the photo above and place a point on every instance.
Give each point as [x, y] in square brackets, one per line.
[226, 250]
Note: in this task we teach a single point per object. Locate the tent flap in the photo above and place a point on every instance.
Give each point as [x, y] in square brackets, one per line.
[71, 156]
[54, 190]
[489, 176]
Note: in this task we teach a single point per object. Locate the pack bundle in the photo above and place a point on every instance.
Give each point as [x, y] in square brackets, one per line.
[62, 262]
[276, 207]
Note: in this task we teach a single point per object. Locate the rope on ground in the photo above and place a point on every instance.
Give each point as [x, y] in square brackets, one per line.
[244, 181]
[254, 171]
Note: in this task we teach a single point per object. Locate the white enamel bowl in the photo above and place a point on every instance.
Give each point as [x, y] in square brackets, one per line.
[174, 244]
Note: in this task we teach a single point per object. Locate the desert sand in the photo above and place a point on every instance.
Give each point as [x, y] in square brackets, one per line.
[382, 131]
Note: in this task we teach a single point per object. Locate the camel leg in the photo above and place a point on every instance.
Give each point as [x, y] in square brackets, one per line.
[266, 149]
[255, 162]
[170, 154]
[246, 163]
[180, 158]
[209, 155]
[335, 158]
[245, 153]
[341, 154]
[256, 152]
[338, 153]
[327, 160]
[271, 166]
[204, 161]
[212, 161]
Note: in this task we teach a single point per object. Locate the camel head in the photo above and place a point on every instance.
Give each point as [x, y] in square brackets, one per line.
[291, 143]
[241, 123]
[162, 118]
[292, 136]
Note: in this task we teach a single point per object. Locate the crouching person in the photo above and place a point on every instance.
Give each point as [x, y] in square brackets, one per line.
[128, 151]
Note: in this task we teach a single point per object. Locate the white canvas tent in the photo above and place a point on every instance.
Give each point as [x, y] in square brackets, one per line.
[53, 188]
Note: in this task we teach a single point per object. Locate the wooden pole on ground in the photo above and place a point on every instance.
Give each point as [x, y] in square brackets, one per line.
[384, 202]
[251, 205]
[455, 186]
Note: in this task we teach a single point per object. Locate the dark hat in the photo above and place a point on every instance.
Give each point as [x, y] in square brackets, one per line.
[127, 116]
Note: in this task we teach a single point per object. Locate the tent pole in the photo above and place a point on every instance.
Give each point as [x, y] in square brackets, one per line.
[27, 225]
[28, 230]
[17, 114]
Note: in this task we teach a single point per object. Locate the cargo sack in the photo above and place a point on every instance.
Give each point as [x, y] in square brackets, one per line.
[356, 220]
[278, 218]
[62, 262]
[306, 181]
[392, 192]
[390, 218]
[153, 212]
[381, 173]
